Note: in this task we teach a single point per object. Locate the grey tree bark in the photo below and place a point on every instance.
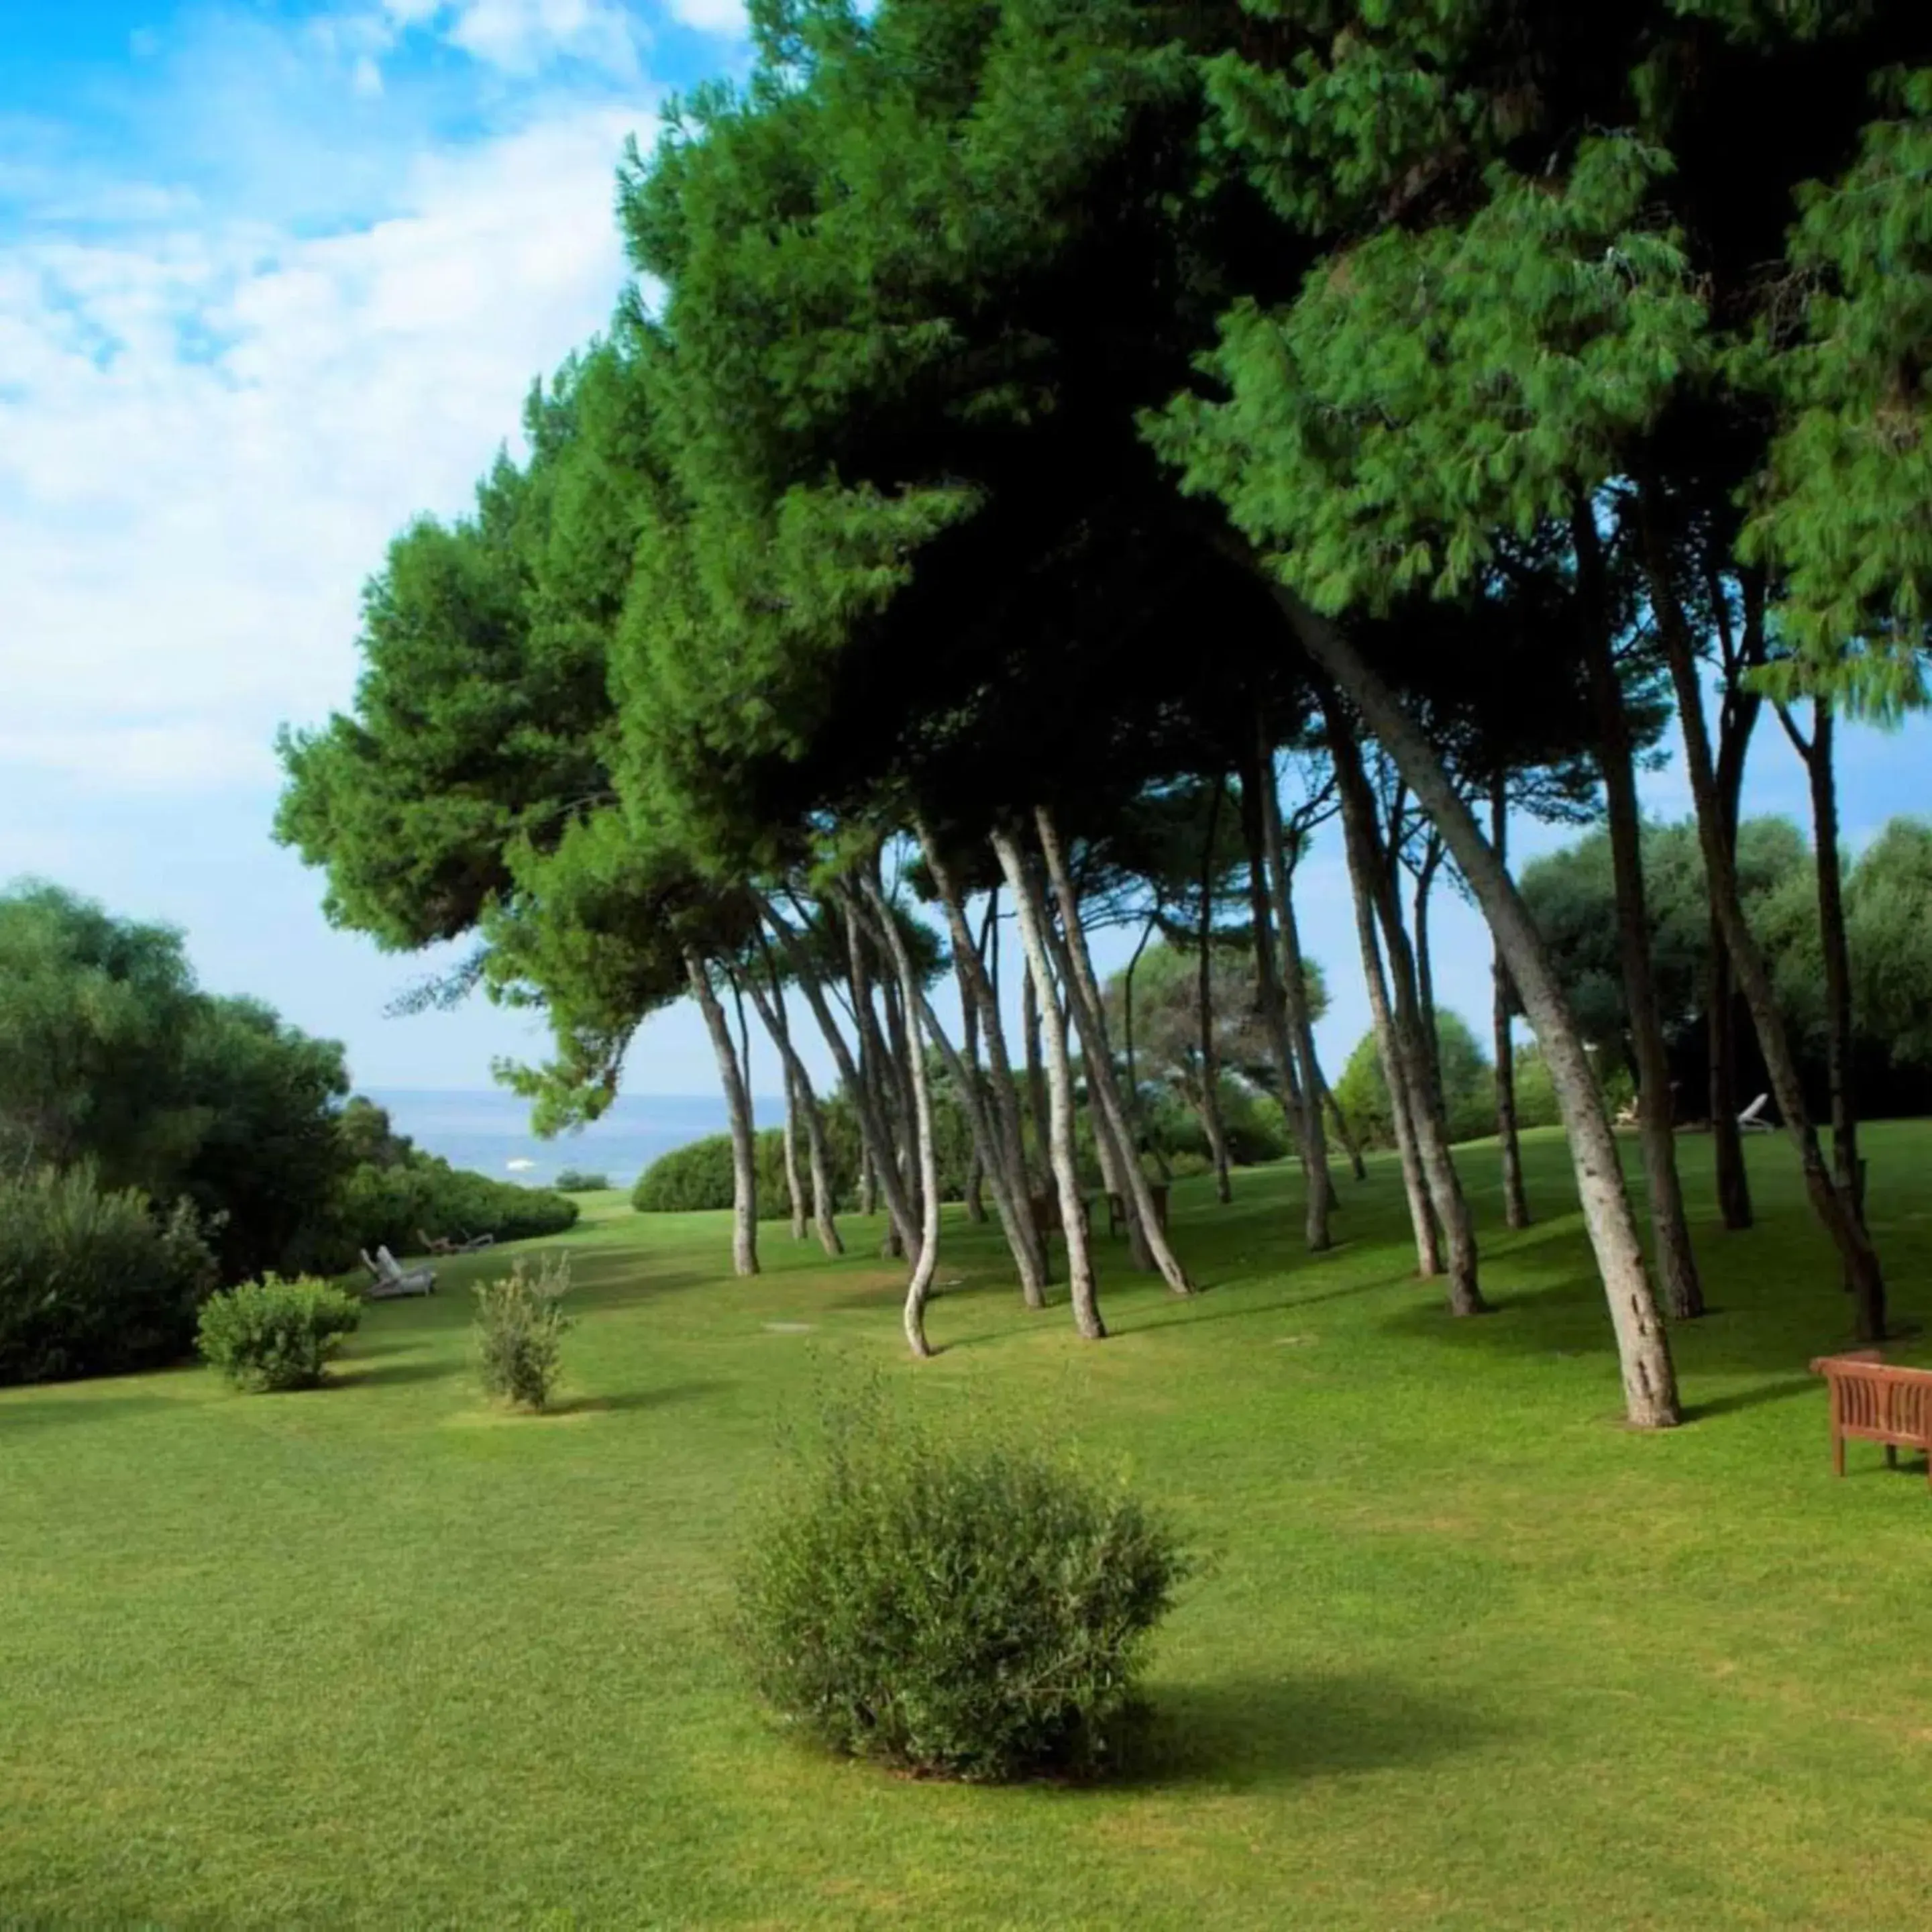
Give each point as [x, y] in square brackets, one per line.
[1258, 806]
[1203, 993]
[1516, 1201]
[1670, 1233]
[1415, 1059]
[1089, 1015]
[892, 1159]
[1643, 1349]
[1834, 1208]
[798, 1086]
[1038, 1106]
[872, 1132]
[980, 995]
[738, 1109]
[1818, 753]
[794, 1184]
[918, 1289]
[1295, 992]
[1031, 914]
[1741, 650]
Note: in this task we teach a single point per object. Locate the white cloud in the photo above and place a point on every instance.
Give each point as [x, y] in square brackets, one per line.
[209, 430]
[366, 77]
[712, 16]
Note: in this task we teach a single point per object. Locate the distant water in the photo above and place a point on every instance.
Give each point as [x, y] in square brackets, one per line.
[487, 1130]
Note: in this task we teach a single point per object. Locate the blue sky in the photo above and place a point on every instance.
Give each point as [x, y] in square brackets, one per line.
[275, 277]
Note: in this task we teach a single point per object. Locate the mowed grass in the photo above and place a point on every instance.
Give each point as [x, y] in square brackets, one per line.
[1466, 1651]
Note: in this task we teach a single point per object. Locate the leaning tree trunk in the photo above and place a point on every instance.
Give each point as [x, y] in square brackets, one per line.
[1818, 753]
[890, 1165]
[1258, 806]
[738, 1108]
[1856, 1254]
[978, 994]
[1643, 1349]
[1211, 1064]
[1737, 720]
[1084, 998]
[1344, 1133]
[969, 1057]
[883, 1173]
[798, 1088]
[1683, 1293]
[1516, 1202]
[1059, 1074]
[1415, 1062]
[794, 1184]
[1038, 1109]
[1425, 964]
[927, 1262]
[1415, 1190]
[1294, 995]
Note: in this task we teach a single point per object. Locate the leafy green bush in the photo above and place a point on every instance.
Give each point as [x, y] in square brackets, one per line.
[520, 1328]
[694, 1177]
[962, 1609]
[276, 1334]
[575, 1180]
[92, 1282]
[385, 1205]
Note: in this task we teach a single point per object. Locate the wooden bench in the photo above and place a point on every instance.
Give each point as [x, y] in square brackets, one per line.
[1045, 1210]
[1877, 1402]
[1117, 1208]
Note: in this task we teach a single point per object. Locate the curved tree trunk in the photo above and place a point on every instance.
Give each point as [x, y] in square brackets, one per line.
[926, 1263]
[738, 1108]
[890, 1163]
[1258, 806]
[794, 1184]
[1516, 1202]
[1294, 995]
[1089, 1015]
[872, 1132]
[1421, 1213]
[1856, 1254]
[1038, 1106]
[1031, 915]
[1344, 1133]
[1738, 714]
[969, 1058]
[1211, 1064]
[1676, 1264]
[1643, 1350]
[1415, 1059]
[978, 993]
[1819, 754]
[798, 1088]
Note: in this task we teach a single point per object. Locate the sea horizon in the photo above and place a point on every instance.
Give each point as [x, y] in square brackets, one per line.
[487, 1130]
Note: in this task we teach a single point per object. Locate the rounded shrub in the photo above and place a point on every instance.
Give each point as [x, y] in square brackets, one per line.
[92, 1282]
[695, 1176]
[275, 1334]
[575, 1181]
[520, 1328]
[961, 1609]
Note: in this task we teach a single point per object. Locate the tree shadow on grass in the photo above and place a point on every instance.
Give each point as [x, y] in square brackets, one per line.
[19, 1415]
[1268, 1733]
[1740, 1399]
[627, 1400]
[354, 1372]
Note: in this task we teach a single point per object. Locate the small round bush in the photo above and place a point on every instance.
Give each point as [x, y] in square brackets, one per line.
[519, 1333]
[276, 1334]
[576, 1180]
[958, 1609]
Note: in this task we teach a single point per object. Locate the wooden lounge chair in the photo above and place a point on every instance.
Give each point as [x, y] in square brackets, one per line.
[387, 1278]
[1752, 1121]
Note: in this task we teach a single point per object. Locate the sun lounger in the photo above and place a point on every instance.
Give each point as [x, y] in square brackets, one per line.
[1752, 1121]
[388, 1278]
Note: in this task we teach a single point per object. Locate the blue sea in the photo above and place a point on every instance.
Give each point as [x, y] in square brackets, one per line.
[489, 1130]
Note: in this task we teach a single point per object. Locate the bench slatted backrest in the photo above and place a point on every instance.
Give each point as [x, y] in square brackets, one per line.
[1879, 1398]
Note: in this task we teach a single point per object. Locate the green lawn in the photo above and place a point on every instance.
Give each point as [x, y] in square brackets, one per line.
[1466, 1653]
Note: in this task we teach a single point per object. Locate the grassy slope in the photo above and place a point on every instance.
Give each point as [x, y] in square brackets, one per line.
[1468, 1655]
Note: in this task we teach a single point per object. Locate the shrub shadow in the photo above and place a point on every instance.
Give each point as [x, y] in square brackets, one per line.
[1269, 1733]
[17, 1416]
[636, 1398]
[352, 1372]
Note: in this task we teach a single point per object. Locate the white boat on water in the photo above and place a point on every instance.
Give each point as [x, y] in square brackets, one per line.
[520, 1166]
